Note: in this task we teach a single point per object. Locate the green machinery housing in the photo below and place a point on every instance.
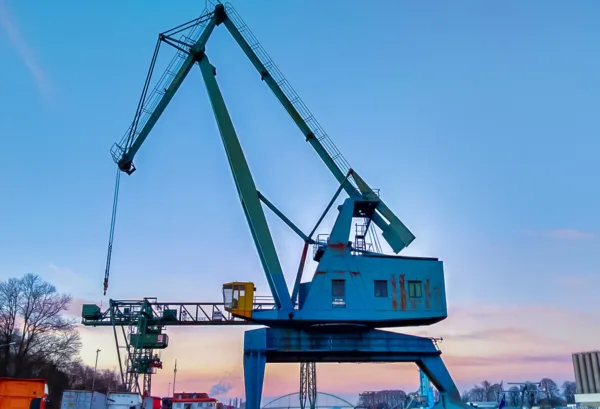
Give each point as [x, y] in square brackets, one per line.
[139, 329]
[145, 335]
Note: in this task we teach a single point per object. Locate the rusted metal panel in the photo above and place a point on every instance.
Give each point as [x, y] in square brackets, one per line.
[427, 289]
[402, 293]
[413, 304]
[394, 292]
[437, 297]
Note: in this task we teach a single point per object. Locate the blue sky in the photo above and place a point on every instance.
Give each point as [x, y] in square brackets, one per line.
[477, 121]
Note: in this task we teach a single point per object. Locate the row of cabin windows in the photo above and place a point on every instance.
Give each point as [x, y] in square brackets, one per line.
[338, 289]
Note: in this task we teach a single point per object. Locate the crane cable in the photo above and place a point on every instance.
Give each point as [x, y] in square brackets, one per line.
[112, 230]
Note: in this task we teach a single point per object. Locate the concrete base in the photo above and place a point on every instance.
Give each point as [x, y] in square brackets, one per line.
[588, 399]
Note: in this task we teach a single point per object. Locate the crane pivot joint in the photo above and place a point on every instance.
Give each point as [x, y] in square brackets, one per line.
[220, 14]
[198, 54]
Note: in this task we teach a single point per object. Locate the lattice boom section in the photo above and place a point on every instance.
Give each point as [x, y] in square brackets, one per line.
[288, 90]
[190, 36]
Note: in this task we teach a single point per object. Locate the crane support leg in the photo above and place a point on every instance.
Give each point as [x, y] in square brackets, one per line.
[254, 373]
[247, 190]
[287, 345]
[308, 385]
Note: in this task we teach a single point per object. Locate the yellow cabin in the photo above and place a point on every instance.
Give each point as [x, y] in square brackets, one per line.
[238, 298]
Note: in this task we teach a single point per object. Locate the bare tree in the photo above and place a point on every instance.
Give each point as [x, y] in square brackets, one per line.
[549, 391]
[514, 396]
[10, 291]
[486, 392]
[31, 314]
[569, 389]
[495, 392]
[9, 305]
[81, 377]
[530, 396]
[465, 396]
[477, 394]
[394, 398]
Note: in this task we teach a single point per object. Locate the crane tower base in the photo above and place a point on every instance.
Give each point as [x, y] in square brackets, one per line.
[343, 345]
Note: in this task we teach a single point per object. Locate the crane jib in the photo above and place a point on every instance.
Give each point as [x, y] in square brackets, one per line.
[190, 50]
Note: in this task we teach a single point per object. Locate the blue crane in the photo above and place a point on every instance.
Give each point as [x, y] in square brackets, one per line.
[356, 290]
[425, 390]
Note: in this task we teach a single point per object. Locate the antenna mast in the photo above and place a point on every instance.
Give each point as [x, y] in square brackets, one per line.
[174, 376]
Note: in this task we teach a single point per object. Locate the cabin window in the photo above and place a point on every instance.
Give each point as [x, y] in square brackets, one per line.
[381, 288]
[414, 289]
[338, 288]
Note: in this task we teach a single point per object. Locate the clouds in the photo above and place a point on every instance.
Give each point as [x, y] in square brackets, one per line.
[11, 30]
[65, 279]
[76, 306]
[220, 388]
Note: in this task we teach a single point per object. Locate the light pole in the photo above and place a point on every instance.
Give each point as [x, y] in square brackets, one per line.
[174, 377]
[8, 345]
[95, 368]
[94, 378]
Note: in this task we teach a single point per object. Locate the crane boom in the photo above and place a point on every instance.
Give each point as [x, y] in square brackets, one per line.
[134, 140]
[395, 232]
[191, 50]
[247, 191]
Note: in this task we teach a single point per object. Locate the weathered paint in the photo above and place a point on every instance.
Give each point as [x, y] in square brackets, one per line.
[320, 273]
[394, 292]
[413, 304]
[437, 297]
[402, 293]
[354, 273]
[337, 248]
[427, 294]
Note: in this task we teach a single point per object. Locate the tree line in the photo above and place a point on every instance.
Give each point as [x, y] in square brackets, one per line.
[39, 340]
[545, 393]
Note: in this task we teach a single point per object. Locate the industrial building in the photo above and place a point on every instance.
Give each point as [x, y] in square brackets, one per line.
[586, 366]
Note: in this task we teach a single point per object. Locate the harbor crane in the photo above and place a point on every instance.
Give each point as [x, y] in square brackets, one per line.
[340, 315]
